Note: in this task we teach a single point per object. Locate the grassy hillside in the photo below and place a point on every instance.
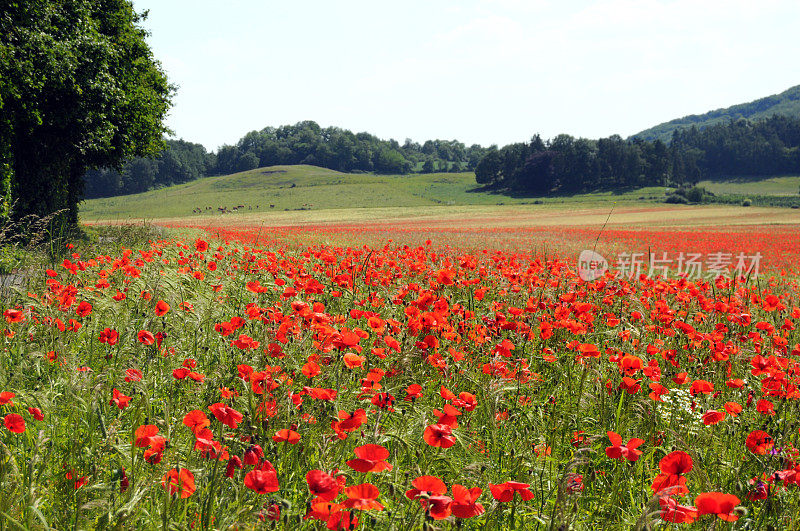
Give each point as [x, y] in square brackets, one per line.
[305, 188]
[749, 186]
[786, 103]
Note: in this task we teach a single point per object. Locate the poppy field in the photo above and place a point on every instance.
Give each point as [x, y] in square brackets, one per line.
[233, 380]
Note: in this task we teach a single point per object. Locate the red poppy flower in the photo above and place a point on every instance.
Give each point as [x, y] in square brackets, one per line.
[262, 480]
[713, 417]
[362, 497]
[701, 387]
[120, 400]
[14, 316]
[717, 503]
[439, 435]
[14, 423]
[311, 369]
[289, 436]
[232, 465]
[656, 391]
[200, 246]
[161, 308]
[383, 401]
[179, 482]
[504, 492]
[681, 378]
[253, 455]
[245, 342]
[628, 451]
[144, 435]
[133, 375]
[36, 413]
[465, 502]
[673, 466]
[350, 421]
[339, 519]
[759, 442]
[322, 485]
[6, 397]
[352, 361]
[370, 458]
[321, 394]
[733, 408]
[319, 509]
[449, 415]
[83, 309]
[226, 415]
[413, 392]
[630, 385]
[109, 336]
[146, 338]
[426, 485]
[760, 490]
[438, 507]
[765, 407]
[672, 511]
[196, 420]
[466, 401]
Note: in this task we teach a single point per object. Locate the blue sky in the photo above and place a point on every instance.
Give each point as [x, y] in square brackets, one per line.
[480, 71]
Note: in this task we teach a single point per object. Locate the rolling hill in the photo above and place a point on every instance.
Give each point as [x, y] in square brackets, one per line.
[307, 188]
[786, 103]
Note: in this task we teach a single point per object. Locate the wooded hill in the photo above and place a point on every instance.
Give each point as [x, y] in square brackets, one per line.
[786, 103]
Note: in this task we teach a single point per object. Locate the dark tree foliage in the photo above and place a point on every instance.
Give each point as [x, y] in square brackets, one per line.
[179, 162]
[79, 89]
[569, 165]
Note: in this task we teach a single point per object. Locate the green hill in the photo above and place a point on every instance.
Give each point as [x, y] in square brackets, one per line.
[299, 188]
[786, 103]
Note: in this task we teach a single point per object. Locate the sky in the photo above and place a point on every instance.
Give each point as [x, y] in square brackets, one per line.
[479, 71]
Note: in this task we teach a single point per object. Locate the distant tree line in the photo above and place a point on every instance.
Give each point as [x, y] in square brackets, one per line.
[566, 164]
[303, 143]
[342, 150]
[179, 162]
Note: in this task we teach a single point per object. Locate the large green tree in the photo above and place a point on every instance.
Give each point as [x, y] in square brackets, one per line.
[79, 89]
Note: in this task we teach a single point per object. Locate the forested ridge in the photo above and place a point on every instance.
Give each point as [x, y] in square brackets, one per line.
[787, 103]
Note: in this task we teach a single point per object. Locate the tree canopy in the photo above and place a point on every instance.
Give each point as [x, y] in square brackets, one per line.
[79, 89]
[568, 165]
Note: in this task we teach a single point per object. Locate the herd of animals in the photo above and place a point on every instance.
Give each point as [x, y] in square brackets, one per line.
[226, 210]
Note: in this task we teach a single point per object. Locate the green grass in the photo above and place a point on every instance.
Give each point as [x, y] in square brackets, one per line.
[773, 186]
[305, 189]
[291, 188]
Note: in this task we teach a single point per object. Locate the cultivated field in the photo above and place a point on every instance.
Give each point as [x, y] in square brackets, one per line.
[408, 367]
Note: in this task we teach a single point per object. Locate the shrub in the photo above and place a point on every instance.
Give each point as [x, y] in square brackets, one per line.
[676, 198]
